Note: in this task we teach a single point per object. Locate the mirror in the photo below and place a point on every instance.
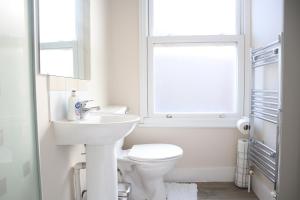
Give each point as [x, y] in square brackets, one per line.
[64, 38]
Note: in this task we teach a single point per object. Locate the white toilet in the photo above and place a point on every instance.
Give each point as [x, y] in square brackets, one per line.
[144, 167]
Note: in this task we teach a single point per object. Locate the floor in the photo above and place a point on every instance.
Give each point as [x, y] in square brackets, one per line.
[220, 191]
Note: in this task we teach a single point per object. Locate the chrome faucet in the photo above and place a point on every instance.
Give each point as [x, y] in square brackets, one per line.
[84, 110]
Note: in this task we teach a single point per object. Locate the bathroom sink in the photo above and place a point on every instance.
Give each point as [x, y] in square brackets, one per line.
[95, 130]
[100, 133]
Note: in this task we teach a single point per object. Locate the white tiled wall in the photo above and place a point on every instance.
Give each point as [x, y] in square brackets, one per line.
[59, 92]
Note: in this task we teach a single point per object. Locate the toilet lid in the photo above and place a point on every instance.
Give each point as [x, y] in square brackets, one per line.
[154, 152]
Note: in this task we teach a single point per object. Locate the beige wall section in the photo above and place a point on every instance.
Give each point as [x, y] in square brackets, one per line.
[202, 147]
[97, 87]
[56, 161]
[266, 24]
[124, 54]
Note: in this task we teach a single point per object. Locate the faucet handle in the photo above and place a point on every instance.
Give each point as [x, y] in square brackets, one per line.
[83, 103]
[84, 110]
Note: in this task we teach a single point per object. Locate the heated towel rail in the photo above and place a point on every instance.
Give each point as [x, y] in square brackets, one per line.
[266, 106]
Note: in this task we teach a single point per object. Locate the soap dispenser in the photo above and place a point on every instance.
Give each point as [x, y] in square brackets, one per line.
[73, 107]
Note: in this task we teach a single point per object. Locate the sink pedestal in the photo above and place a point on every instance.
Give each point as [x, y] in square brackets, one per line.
[101, 172]
[100, 133]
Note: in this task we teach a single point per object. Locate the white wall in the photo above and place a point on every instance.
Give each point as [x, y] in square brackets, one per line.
[207, 151]
[266, 24]
[267, 21]
[56, 161]
[289, 188]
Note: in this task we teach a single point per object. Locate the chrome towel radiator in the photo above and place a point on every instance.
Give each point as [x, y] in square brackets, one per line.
[265, 106]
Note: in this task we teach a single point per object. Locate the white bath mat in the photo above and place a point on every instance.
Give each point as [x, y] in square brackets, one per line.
[181, 191]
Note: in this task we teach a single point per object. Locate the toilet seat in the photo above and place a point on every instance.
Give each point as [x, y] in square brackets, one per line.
[154, 152]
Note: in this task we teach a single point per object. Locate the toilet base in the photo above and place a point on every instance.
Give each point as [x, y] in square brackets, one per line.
[146, 180]
[144, 167]
[155, 189]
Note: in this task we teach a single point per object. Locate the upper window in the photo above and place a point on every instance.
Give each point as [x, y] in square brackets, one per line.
[192, 60]
[194, 17]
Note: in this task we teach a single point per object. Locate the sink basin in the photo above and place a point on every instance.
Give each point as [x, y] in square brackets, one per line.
[100, 133]
[95, 130]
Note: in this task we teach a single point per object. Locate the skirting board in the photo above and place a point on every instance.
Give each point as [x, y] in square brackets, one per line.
[213, 174]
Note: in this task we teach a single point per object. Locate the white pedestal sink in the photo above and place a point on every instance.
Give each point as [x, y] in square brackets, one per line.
[100, 134]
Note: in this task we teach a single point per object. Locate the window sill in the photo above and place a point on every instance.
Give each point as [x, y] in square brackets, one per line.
[189, 122]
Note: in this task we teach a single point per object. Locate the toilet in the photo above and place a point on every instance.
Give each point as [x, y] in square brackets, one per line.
[144, 167]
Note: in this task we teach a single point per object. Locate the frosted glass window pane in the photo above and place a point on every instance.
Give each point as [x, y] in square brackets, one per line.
[194, 17]
[57, 20]
[195, 79]
[57, 61]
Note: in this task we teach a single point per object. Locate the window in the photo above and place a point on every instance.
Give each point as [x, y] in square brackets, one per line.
[192, 62]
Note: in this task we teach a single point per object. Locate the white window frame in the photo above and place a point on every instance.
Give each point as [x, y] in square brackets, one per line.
[147, 43]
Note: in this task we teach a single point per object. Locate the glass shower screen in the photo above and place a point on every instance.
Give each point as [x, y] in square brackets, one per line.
[18, 153]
